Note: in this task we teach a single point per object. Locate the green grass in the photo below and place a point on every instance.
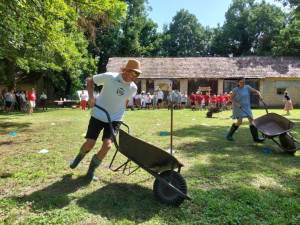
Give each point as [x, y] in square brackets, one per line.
[230, 182]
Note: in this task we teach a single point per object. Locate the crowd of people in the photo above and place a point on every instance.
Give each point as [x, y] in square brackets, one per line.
[21, 100]
[179, 100]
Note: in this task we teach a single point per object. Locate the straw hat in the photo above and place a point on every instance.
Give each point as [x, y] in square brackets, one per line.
[134, 65]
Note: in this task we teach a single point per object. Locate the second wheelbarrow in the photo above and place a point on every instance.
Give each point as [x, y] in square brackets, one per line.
[272, 125]
[169, 186]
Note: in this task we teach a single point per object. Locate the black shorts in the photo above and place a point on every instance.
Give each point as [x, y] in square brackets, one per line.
[159, 101]
[8, 104]
[95, 127]
[193, 103]
[206, 103]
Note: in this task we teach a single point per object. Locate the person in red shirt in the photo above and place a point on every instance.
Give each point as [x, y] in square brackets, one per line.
[199, 99]
[31, 101]
[214, 100]
[193, 99]
[206, 100]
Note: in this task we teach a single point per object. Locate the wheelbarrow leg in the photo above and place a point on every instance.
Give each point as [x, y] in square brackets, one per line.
[254, 133]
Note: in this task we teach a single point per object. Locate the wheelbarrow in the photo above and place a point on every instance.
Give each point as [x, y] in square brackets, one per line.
[213, 109]
[272, 125]
[169, 186]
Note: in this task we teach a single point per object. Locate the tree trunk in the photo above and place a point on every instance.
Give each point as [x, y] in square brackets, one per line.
[69, 83]
[9, 74]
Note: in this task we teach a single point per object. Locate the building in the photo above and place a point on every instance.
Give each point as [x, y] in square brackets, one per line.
[271, 76]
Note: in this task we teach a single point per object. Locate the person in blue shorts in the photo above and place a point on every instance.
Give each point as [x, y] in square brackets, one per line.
[240, 97]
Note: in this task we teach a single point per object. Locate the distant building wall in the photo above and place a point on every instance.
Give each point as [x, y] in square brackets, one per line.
[273, 88]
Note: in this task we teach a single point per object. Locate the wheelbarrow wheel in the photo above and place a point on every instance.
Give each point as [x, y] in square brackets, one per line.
[167, 195]
[287, 141]
[209, 114]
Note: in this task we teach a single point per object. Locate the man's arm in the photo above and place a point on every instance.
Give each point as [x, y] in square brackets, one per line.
[90, 89]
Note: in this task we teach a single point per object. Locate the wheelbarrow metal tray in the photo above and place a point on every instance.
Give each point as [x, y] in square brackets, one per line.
[272, 124]
[146, 154]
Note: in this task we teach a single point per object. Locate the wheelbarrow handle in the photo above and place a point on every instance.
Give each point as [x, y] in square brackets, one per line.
[265, 106]
[246, 113]
[249, 115]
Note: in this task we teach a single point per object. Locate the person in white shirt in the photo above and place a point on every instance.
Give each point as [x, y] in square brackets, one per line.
[143, 99]
[83, 98]
[160, 96]
[148, 100]
[23, 100]
[117, 89]
[43, 100]
[184, 98]
[137, 100]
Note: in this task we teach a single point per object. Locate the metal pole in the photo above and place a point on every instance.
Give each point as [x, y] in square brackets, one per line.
[171, 128]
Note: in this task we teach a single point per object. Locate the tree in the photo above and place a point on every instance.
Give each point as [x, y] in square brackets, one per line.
[294, 4]
[250, 27]
[185, 36]
[49, 35]
[134, 36]
[265, 22]
[287, 42]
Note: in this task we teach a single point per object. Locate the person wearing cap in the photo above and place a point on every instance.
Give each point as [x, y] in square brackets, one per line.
[31, 101]
[117, 89]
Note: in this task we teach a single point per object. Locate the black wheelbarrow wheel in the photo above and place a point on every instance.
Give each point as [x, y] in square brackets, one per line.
[288, 143]
[209, 114]
[166, 194]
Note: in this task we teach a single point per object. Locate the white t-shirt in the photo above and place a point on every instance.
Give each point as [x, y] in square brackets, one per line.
[44, 96]
[23, 96]
[160, 95]
[83, 96]
[113, 96]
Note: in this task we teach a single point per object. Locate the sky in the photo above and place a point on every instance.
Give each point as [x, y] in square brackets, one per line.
[208, 12]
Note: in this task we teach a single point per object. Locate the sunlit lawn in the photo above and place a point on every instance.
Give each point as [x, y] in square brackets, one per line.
[230, 182]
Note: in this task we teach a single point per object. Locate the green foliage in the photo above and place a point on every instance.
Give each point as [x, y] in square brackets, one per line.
[50, 35]
[249, 29]
[287, 43]
[185, 36]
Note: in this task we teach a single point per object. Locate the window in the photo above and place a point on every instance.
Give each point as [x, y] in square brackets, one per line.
[280, 91]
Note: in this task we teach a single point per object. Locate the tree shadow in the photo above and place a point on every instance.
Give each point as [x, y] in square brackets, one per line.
[5, 143]
[21, 126]
[55, 195]
[119, 201]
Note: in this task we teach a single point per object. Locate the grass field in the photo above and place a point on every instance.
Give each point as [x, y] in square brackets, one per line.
[230, 182]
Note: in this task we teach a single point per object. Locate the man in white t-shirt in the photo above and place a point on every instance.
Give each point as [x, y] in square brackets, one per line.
[117, 89]
[160, 98]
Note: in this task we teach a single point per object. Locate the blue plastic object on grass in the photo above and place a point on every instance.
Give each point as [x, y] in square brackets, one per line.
[224, 132]
[163, 133]
[267, 150]
[13, 133]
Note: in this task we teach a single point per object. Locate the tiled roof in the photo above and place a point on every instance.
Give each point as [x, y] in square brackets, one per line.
[213, 67]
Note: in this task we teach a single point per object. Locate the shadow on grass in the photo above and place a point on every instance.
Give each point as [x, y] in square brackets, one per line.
[55, 195]
[21, 126]
[119, 201]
